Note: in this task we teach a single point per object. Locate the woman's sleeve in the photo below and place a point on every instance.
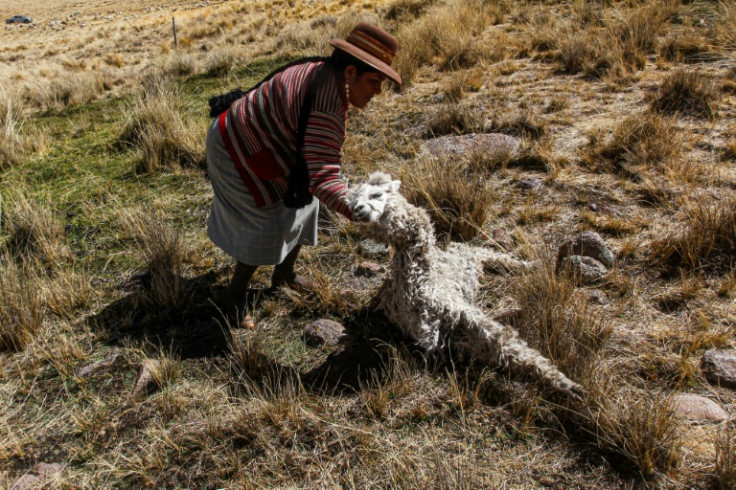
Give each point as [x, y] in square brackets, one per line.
[323, 139]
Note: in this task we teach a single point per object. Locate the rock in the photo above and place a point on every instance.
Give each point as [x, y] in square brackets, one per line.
[588, 244]
[698, 408]
[373, 249]
[587, 270]
[324, 332]
[146, 382]
[491, 145]
[368, 269]
[45, 470]
[500, 236]
[530, 184]
[719, 367]
[95, 367]
[25, 481]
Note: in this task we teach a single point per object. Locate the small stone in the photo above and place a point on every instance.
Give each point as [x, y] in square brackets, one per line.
[586, 270]
[95, 367]
[324, 332]
[25, 481]
[698, 408]
[45, 470]
[588, 244]
[368, 269]
[500, 236]
[719, 367]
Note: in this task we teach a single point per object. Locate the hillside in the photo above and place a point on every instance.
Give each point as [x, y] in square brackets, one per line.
[624, 114]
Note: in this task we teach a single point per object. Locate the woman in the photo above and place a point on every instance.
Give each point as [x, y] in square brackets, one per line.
[279, 145]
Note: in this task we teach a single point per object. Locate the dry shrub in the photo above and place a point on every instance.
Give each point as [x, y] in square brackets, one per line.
[555, 319]
[638, 143]
[687, 92]
[641, 428]
[180, 64]
[34, 232]
[706, 239]
[459, 206]
[156, 127]
[725, 465]
[578, 53]
[164, 252]
[21, 307]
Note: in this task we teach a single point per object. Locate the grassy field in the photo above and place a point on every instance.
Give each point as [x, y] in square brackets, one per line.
[626, 113]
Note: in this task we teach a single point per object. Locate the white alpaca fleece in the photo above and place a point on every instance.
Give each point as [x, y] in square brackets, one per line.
[430, 293]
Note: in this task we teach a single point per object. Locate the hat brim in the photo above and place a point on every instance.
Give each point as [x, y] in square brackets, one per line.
[367, 58]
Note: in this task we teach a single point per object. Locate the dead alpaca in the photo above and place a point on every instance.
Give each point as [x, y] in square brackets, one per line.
[430, 293]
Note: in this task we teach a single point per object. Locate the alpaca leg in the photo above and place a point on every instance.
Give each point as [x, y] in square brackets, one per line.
[494, 343]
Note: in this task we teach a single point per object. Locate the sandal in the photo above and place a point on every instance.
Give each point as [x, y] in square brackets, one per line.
[298, 283]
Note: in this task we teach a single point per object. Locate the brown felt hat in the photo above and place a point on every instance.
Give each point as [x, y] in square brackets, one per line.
[372, 45]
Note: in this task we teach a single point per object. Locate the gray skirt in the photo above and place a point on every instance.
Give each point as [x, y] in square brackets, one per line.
[254, 236]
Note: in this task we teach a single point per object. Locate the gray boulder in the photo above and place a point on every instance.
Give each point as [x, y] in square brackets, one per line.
[719, 367]
[324, 332]
[588, 244]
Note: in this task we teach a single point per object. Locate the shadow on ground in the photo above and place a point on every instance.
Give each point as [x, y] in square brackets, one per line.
[192, 327]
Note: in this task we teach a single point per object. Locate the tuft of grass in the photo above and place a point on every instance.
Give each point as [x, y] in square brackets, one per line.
[706, 239]
[687, 92]
[12, 143]
[458, 207]
[156, 127]
[641, 429]
[725, 464]
[555, 319]
[637, 144]
[21, 307]
[34, 232]
[222, 62]
[163, 251]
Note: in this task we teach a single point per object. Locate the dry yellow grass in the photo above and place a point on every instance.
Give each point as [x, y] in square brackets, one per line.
[97, 259]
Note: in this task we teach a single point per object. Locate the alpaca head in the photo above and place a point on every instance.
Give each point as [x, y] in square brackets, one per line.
[388, 216]
[368, 202]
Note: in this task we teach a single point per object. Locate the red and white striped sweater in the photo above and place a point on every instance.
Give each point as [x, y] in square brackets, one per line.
[260, 132]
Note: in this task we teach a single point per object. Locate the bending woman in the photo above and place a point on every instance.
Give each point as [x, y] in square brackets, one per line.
[277, 146]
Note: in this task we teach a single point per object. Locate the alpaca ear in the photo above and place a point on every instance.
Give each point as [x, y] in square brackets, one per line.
[394, 186]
